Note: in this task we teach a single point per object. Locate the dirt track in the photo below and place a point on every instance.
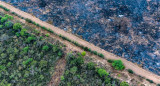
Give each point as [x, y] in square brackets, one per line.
[138, 70]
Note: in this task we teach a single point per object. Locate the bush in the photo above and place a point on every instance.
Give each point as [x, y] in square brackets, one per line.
[118, 65]
[73, 70]
[23, 32]
[130, 71]
[83, 53]
[158, 84]
[8, 24]
[4, 19]
[101, 55]
[95, 53]
[62, 78]
[149, 80]
[91, 66]
[80, 61]
[29, 39]
[47, 35]
[26, 49]
[27, 61]
[9, 16]
[110, 60]
[17, 26]
[124, 84]
[102, 72]
[45, 48]
[1, 26]
[43, 63]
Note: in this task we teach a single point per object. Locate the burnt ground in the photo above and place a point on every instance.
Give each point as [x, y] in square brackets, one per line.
[127, 28]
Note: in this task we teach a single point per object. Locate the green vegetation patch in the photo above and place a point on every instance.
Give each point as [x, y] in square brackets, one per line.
[23, 60]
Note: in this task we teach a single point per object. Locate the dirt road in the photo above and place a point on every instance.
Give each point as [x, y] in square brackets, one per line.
[138, 70]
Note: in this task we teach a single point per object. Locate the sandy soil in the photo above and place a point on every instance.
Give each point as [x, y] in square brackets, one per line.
[138, 70]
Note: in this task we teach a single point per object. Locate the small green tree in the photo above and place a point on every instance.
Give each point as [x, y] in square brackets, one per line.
[8, 24]
[47, 35]
[83, 53]
[124, 84]
[62, 78]
[80, 61]
[118, 65]
[1, 26]
[4, 19]
[91, 65]
[9, 16]
[29, 39]
[102, 72]
[73, 70]
[130, 71]
[23, 32]
[45, 48]
[43, 63]
[17, 26]
[26, 49]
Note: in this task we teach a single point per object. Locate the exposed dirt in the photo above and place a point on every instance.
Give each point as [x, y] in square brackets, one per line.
[129, 65]
[59, 70]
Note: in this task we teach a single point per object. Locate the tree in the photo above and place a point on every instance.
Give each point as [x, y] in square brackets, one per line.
[73, 70]
[124, 84]
[130, 71]
[45, 48]
[4, 19]
[80, 61]
[118, 65]
[23, 32]
[91, 65]
[29, 39]
[8, 24]
[17, 26]
[102, 72]
[9, 16]
[83, 53]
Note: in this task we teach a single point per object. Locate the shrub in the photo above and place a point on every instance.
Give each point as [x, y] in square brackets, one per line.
[95, 52]
[118, 65]
[29, 39]
[23, 32]
[102, 72]
[80, 61]
[9, 16]
[27, 61]
[47, 35]
[8, 24]
[110, 60]
[91, 65]
[101, 55]
[1, 26]
[83, 53]
[43, 63]
[26, 49]
[4, 8]
[4, 19]
[130, 71]
[158, 84]
[17, 26]
[73, 70]
[149, 80]
[45, 48]
[124, 84]
[29, 21]
[62, 78]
